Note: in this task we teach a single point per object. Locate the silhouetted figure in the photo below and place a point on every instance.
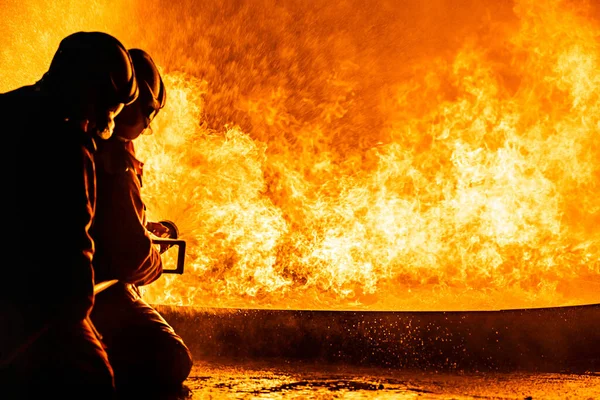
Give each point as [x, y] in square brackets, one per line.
[48, 347]
[144, 350]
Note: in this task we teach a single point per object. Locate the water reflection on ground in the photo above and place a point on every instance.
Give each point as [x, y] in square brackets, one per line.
[278, 380]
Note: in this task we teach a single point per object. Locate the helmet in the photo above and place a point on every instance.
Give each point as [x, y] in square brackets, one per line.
[153, 95]
[136, 118]
[92, 67]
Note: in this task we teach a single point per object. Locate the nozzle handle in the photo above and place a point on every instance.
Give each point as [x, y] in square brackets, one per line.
[180, 253]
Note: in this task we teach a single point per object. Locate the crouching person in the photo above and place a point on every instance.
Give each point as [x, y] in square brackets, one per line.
[144, 350]
[48, 347]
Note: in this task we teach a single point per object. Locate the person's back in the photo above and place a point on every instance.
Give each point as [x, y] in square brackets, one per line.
[47, 344]
[52, 177]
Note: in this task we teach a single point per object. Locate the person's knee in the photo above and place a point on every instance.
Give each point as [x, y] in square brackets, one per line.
[172, 353]
[187, 363]
[165, 362]
[180, 362]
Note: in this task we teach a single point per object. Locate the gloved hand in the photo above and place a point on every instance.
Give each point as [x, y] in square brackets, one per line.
[158, 229]
[163, 229]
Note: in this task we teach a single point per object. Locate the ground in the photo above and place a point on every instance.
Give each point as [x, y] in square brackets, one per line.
[279, 379]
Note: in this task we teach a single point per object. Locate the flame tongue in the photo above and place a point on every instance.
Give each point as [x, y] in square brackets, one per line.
[477, 188]
[405, 156]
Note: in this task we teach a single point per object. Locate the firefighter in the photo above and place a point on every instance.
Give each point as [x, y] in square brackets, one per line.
[48, 347]
[144, 350]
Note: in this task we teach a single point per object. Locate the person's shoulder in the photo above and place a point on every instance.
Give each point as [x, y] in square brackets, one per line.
[21, 102]
[23, 114]
[20, 94]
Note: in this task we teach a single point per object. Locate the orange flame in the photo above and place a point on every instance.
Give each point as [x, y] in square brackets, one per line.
[400, 156]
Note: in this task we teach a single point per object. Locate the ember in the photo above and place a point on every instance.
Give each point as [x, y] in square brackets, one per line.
[402, 156]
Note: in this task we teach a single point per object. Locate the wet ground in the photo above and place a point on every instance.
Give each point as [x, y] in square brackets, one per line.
[293, 354]
[278, 380]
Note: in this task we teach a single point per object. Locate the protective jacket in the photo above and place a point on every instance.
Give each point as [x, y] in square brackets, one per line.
[49, 191]
[124, 248]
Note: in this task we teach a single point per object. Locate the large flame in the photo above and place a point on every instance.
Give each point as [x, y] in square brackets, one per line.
[361, 155]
